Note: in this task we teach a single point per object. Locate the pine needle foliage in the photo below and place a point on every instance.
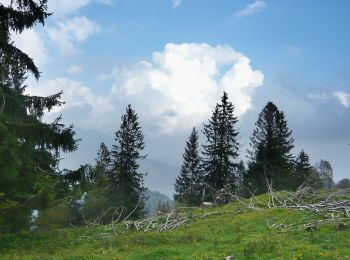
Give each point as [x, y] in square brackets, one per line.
[221, 148]
[270, 151]
[31, 146]
[125, 180]
[188, 187]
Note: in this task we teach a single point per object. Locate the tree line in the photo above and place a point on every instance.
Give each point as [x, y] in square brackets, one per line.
[35, 193]
[32, 187]
[270, 158]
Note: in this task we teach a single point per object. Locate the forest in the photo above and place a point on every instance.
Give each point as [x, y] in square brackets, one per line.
[35, 193]
[37, 196]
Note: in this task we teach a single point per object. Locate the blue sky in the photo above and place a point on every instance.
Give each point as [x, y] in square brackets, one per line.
[172, 59]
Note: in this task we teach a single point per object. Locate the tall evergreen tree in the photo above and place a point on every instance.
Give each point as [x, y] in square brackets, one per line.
[18, 16]
[102, 166]
[325, 171]
[188, 187]
[32, 146]
[221, 148]
[270, 151]
[302, 169]
[126, 182]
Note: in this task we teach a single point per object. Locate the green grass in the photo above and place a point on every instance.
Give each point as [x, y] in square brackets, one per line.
[240, 232]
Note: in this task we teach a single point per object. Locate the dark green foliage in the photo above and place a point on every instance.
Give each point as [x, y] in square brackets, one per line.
[102, 167]
[270, 152]
[125, 181]
[343, 184]
[240, 174]
[97, 208]
[97, 205]
[29, 148]
[188, 187]
[221, 148]
[302, 169]
[22, 14]
[325, 172]
[315, 179]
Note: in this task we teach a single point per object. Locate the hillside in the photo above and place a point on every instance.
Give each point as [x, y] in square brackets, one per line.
[154, 198]
[243, 229]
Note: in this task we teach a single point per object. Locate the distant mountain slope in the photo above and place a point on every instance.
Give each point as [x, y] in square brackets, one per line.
[154, 198]
[160, 176]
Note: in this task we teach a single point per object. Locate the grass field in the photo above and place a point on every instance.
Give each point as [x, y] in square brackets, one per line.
[235, 230]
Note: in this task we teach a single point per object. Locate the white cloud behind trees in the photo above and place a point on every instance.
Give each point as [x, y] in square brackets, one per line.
[173, 92]
[32, 42]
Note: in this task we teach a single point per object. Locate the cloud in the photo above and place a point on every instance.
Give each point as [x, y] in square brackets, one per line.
[75, 69]
[106, 2]
[251, 9]
[174, 91]
[343, 98]
[181, 84]
[102, 77]
[6, 2]
[176, 3]
[69, 33]
[77, 97]
[318, 96]
[32, 43]
[62, 8]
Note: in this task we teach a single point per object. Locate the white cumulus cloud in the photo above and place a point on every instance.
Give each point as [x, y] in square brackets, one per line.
[343, 98]
[63, 7]
[32, 43]
[251, 9]
[75, 69]
[69, 33]
[77, 97]
[181, 84]
[174, 91]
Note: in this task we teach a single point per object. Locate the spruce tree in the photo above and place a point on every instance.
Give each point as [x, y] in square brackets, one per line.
[221, 148]
[270, 152]
[125, 180]
[31, 145]
[325, 171]
[188, 187]
[20, 15]
[102, 166]
[302, 169]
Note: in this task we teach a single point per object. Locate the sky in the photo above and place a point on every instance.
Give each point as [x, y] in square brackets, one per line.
[172, 60]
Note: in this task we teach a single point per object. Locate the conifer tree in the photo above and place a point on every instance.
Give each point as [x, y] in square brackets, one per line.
[302, 169]
[270, 152]
[125, 180]
[221, 148]
[20, 15]
[102, 166]
[325, 171]
[188, 187]
[32, 146]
